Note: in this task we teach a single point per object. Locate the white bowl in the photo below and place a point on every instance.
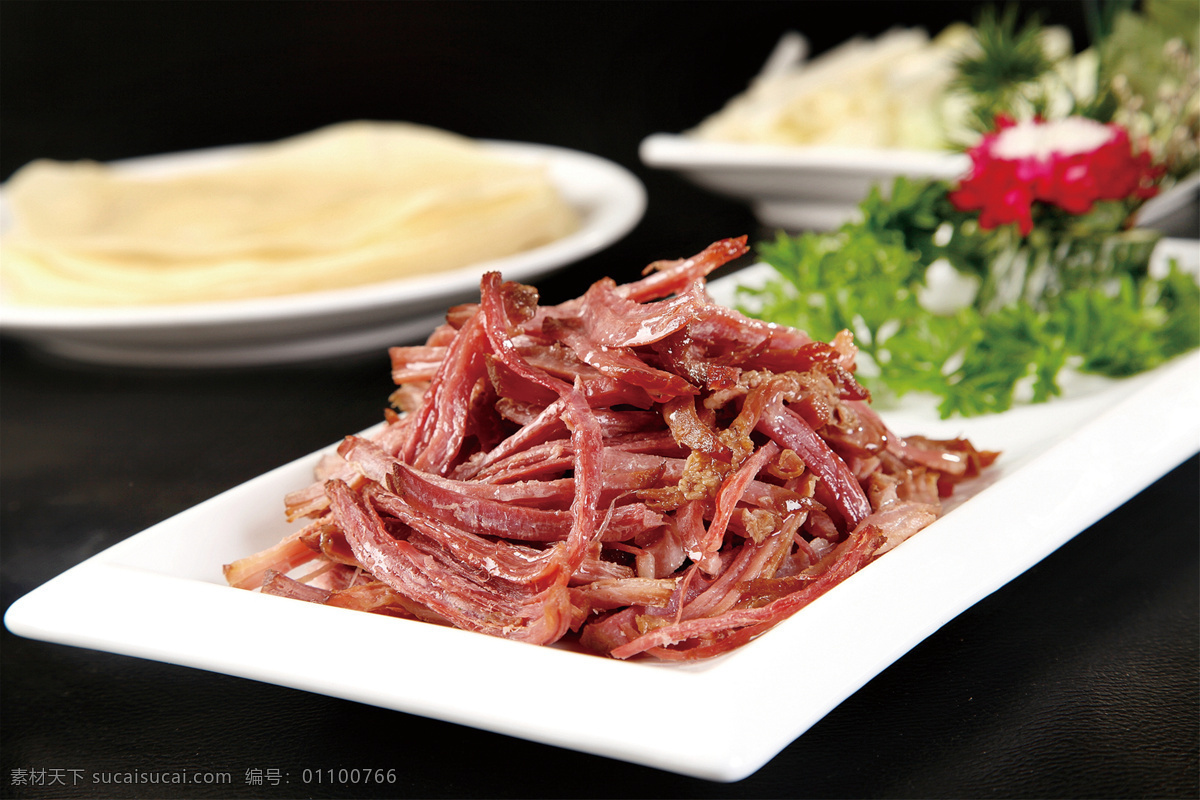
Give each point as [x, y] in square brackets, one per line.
[795, 188]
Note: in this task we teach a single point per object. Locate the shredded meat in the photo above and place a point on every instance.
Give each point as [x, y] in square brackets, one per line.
[639, 469]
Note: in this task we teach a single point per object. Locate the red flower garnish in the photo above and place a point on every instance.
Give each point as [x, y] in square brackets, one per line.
[1070, 163]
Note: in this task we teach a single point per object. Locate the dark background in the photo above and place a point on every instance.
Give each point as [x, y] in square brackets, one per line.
[1078, 679]
[107, 80]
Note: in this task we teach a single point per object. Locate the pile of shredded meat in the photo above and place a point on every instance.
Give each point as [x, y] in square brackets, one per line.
[640, 467]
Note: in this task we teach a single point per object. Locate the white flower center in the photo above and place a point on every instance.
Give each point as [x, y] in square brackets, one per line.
[1065, 137]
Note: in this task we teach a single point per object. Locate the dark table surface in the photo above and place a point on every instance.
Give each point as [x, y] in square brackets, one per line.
[1077, 679]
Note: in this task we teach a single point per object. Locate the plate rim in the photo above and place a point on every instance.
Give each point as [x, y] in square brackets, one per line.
[684, 152]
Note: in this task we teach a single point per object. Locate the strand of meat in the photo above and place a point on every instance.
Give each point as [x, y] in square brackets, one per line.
[640, 469]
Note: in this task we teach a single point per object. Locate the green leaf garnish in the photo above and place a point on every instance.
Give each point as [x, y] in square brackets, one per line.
[1106, 314]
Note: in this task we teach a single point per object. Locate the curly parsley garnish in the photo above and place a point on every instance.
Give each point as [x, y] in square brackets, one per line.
[1101, 313]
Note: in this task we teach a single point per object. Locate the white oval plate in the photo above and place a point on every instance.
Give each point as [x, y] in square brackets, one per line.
[319, 325]
[795, 188]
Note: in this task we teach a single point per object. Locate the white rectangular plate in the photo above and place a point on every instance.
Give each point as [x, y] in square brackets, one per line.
[160, 595]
